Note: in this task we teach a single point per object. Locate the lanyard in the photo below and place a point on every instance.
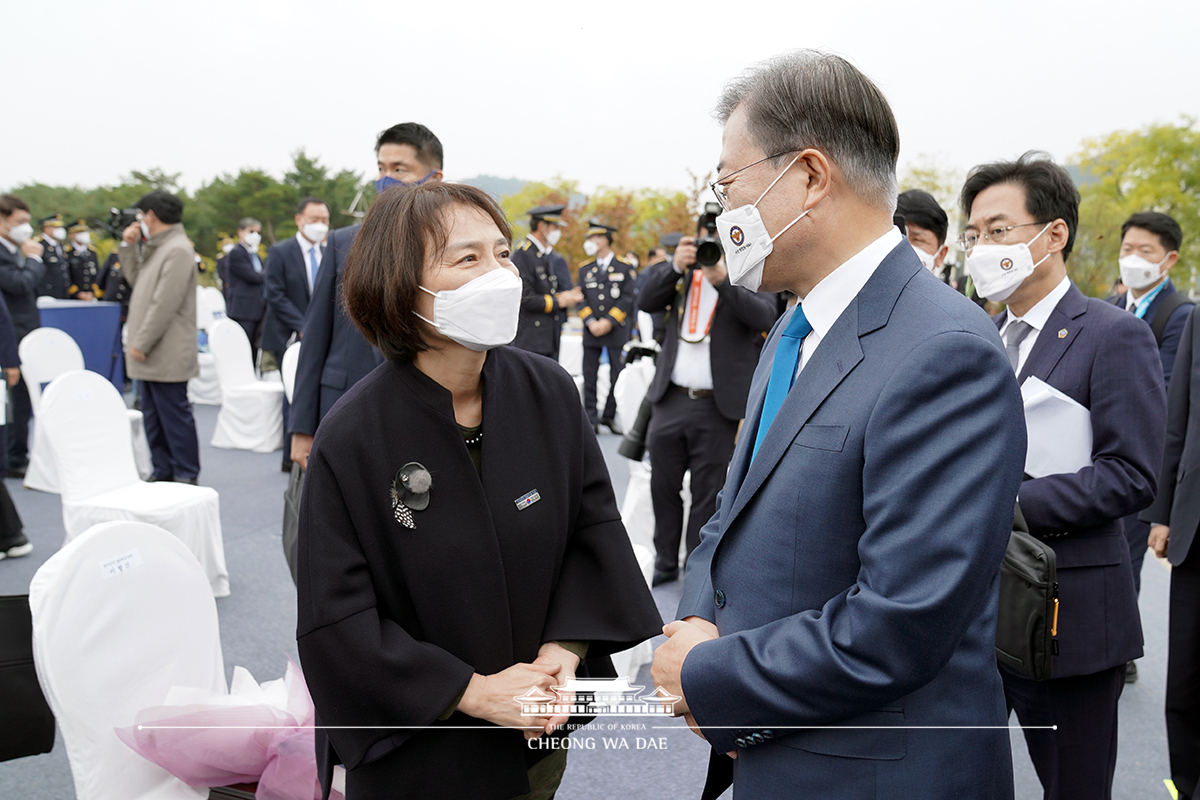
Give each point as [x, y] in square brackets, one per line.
[693, 313]
[1143, 305]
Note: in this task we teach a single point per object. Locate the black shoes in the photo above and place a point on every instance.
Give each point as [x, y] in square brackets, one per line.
[15, 472]
[1131, 672]
[156, 479]
[15, 546]
[665, 576]
[612, 426]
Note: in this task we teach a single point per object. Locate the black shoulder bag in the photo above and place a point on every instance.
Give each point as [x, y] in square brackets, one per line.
[1027, 624]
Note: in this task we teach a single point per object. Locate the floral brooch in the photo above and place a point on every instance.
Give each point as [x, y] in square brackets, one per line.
[410, 492]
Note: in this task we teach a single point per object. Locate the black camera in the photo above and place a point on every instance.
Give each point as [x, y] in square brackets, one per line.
[118, 220]
[708, 244]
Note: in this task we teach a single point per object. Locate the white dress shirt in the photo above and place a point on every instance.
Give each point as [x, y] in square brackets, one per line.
[693, 361]
[541, 250]
[305, 248]
[1036, 318]
[603, 263]
[830, 298]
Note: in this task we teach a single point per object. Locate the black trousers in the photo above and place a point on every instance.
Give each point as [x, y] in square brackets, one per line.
[1183, 675]
[253, 329]
[171, 430]
[1137, 533]
[17, 446]
[1078, 759]
[685, 434]
[591, 365]
[10, 521]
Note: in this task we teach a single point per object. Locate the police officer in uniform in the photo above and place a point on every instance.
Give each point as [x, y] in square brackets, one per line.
[112, 286]
[57, 279]
[547, 284]
[83, 264]
[609, 291]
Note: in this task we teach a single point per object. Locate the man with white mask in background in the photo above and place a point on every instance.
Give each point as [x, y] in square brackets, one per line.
[547, 280]
[56, 279]
[21, 270]
[925, 225]
[1021, 222]
[246, 296]
[83, 264]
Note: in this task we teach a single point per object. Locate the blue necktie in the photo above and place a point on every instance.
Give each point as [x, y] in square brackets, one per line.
[783, 371]
[257, 263]
[313, 266]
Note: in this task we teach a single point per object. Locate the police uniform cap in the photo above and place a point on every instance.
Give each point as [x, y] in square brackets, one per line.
[599, 229]
[670, 239]
[54, 221]
[78, 227]
[551, 214]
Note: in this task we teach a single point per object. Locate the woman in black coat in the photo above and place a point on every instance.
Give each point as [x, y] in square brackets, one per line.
[459, 539]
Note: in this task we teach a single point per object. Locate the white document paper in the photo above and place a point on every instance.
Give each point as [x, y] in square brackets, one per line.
[1059, 429]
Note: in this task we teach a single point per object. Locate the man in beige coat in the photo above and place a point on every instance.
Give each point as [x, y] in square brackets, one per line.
[161, 332]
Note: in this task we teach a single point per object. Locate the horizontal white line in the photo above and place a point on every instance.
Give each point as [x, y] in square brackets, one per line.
[654, 727]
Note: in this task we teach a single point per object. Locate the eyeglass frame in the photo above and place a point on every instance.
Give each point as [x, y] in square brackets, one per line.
[723, 182]
[1007, 229]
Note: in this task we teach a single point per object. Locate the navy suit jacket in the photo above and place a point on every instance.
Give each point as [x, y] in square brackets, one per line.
[19, 279]
[287, 294]
[9, 357]
[735, 338]
[852, 567]
[1172, 333]
[1105, 359]
[246, 295]
[335, 356]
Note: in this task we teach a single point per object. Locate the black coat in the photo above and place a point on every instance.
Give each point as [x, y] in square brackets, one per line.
[392, 621]
[19, 278]
[246, 292]
[287, 294]
[741, 319]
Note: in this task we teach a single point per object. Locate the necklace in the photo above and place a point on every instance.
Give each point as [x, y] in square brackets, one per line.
[476, 438]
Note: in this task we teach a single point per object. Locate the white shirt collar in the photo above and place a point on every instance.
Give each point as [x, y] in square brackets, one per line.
[604, 262]
[12, 248]
[541, 250]
[829, 298]
[1039, 315]
[306, 245]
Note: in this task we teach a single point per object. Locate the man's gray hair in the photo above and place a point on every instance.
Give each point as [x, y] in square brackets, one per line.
[808, 99]
[247, 222]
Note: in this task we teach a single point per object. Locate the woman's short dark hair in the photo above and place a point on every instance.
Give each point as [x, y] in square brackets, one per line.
[381, 279]
[1050, 193]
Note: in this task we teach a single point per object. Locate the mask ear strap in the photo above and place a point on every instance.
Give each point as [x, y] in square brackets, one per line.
[777, 177]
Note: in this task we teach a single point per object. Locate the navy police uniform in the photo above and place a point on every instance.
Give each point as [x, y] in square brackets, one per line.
[609, 292]
[112, 284]
[56, 279]
[543, 274]
[83, 265]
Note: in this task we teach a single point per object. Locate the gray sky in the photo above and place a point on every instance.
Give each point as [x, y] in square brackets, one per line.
[626, 88]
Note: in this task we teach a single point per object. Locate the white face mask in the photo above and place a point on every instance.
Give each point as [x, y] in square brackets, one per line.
[59, 233]
[315, 231]
[926, 258]
[553, 236]
[998, 269]
[252, 240]
[145, 229]
[1138, 273]
[591, 248]
[482, 313]
[21, 233]
[83, 239]
[746, 241]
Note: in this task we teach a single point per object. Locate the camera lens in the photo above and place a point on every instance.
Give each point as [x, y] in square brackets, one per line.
[708, 252]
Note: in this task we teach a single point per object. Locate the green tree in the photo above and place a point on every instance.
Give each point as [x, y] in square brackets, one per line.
[1156, 168]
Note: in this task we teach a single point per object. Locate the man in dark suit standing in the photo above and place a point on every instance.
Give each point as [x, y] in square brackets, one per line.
[15, 248]
[1022, 217]
[246, 299]
[702, 380]
[292, 267]
[1175, 515]
[335, 356]
[609, 290]
[846, 589]
[21, 272]
[1150, 244]
[547, 292]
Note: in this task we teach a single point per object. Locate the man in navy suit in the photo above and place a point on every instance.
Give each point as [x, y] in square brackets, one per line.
[1150, 244]
[1022, 217]
[335, 356]
[292, 267]
[246, 298]
[841, 606]
[21, 272]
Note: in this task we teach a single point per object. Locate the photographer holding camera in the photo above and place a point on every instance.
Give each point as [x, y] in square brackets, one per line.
[714, 333]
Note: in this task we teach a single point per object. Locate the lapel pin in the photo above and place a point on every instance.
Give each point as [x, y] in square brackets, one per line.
[526, 500]
[1062, 334]
[410, 492]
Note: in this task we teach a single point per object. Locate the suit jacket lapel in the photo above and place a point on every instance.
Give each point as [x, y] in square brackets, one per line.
[1056, 336]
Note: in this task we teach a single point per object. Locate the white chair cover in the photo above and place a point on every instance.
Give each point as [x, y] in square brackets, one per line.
[88, 427]
[205, 388]
[215, 302]
[251, 416]
[632, 385]
[291, 359]
[141, 445]
[45, 354]
[628, 662]
[570, 353]
[120, 615]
